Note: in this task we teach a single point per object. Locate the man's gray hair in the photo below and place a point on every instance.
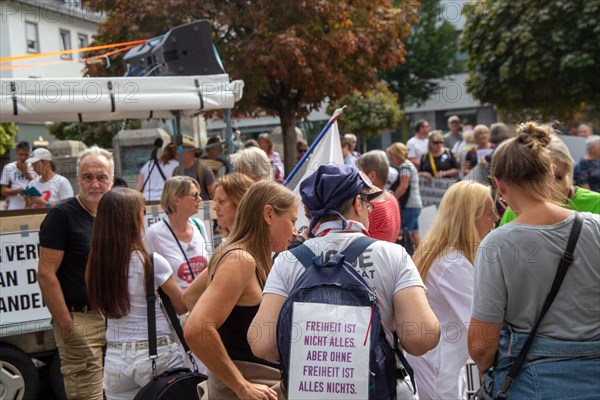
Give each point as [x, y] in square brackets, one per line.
[97, 152]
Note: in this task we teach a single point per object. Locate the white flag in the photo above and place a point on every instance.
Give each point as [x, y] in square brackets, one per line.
[328, 150]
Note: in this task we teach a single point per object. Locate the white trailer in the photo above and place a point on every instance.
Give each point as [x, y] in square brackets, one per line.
[25, 328]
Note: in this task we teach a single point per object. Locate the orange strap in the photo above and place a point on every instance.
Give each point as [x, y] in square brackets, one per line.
[54, 53]
[90, 60]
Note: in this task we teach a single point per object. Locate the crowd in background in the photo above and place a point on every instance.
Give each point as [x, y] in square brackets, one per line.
[481, 279]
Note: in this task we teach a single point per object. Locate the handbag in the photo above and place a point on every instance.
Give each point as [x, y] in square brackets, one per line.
[175, 383]
[566, 259]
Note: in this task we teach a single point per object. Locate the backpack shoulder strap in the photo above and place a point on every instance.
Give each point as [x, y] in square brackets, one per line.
[356, 248]
[303, 254]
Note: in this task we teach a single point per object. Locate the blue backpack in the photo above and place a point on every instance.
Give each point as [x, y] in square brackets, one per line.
[335, 281]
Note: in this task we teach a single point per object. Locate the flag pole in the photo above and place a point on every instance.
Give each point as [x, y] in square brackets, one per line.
[336, 115]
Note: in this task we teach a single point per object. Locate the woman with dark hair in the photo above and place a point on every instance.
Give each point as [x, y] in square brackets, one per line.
[515, 268]
[232, 291]
[153, 175]
[117, 271]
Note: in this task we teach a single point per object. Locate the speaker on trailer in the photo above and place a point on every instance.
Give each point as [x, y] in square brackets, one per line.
[139, 60]
[184, 50]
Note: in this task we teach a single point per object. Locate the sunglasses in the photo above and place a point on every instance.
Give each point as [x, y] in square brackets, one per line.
[302, 150]
[195, 195]
[370, 206]
[437, 142]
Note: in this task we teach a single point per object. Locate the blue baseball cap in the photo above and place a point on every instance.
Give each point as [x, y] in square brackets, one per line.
[331, 185]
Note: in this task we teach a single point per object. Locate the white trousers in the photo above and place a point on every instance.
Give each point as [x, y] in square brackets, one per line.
[127, 371]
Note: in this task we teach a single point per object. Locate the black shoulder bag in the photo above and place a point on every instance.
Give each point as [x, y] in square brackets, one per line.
[566, 259]
[175, 383]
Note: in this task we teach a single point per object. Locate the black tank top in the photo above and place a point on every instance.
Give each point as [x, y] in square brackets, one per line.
[234, 332]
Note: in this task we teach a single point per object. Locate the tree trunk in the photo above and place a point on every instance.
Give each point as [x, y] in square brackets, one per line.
[288, 130]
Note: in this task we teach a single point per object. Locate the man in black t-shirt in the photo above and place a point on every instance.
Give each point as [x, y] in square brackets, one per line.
[65, 239]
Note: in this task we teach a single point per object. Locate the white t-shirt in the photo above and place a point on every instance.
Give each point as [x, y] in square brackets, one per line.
[56, 189]
[155, 184]
[15, 179]
[440, 372]
[134, 326]
[416, 147]
[159, 238]
[387, 265]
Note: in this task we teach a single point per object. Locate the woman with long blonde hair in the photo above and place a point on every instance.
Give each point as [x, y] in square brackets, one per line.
[445, 261]
[217, 328]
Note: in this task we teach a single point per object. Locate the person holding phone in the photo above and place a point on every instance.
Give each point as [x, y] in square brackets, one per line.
[15, 177]
[48, 187]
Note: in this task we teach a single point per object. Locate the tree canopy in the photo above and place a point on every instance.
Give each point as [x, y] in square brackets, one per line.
[534, 58]
[368, 113]
[291, 55]
[8, 132]
[431, 47]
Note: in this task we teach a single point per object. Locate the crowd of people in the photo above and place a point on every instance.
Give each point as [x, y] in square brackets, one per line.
[473, 287]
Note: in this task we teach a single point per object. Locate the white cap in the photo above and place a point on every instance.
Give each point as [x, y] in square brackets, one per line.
[40, 154]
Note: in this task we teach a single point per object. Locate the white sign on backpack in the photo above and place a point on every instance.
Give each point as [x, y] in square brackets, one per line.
[329, 355]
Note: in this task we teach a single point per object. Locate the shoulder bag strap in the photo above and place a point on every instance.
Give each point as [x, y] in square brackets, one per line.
[199, 229]
[566, 259]
[172, 315]
[157, 163]
[407, 367]
[150, 304]
[181, 248]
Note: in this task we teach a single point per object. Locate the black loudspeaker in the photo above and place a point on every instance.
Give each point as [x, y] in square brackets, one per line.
[139, 59]
[184, 50]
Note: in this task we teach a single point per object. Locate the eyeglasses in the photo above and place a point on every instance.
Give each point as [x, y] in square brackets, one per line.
[196, 195]
[437, 142]
[370, 206]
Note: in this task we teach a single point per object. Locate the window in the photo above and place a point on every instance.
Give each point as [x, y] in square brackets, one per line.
[65, 44]
[83, 41]
[31, 36]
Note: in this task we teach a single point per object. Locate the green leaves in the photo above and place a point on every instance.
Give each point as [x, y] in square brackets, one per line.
[534, 56]
[432, 47]
[8, 132]
[369, 113]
